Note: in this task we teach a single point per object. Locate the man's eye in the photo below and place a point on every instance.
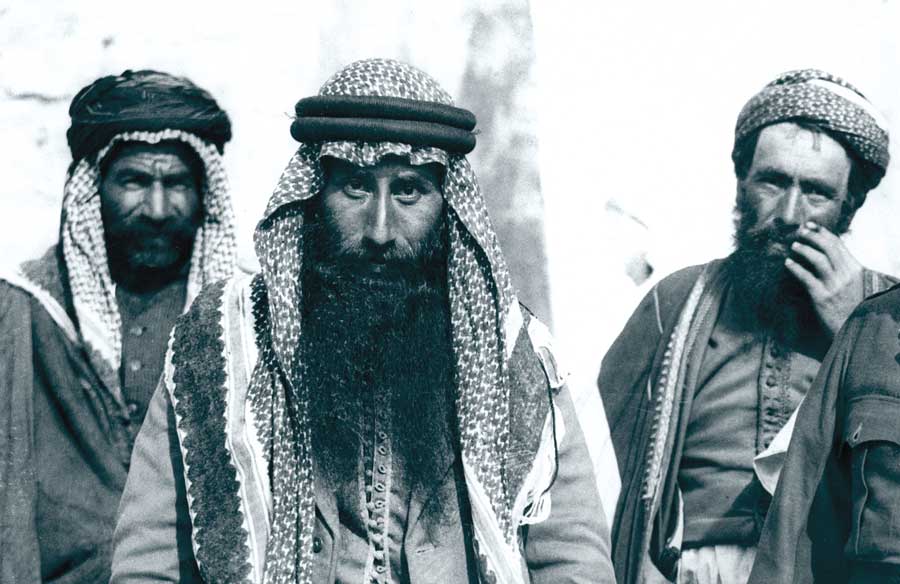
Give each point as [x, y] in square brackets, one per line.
[355, 188]
[356, 184]
[408, 194]
[133, 183]
[769, 188]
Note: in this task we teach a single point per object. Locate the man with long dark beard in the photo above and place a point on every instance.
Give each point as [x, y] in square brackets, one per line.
[146, 222]
[736, 343]
[375, 405]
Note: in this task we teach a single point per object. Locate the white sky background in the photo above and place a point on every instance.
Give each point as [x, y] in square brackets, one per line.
[638, 102]
[636, 105]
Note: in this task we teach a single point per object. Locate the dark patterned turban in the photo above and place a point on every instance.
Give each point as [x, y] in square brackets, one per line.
[826, 101]
[147, 107]
[146, 101]
[483, 308]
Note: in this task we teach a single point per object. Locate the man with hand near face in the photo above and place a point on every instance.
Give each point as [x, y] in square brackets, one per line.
[146, 221]
[375, 405]
[736, 343]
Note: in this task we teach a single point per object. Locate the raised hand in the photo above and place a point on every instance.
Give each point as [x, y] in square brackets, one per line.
[830, 273]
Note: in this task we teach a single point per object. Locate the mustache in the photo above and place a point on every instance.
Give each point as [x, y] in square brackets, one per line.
[776, 231]
[325, 246]
[143, 227]
[773, 233]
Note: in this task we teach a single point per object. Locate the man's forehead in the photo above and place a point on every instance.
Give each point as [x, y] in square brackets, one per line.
[167, 156]
[785, 142]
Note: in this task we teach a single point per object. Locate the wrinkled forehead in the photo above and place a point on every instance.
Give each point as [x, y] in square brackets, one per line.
[174, 153]
[181, 151]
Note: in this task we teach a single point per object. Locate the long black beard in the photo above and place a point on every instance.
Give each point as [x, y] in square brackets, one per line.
[367, 334]
[771, 300]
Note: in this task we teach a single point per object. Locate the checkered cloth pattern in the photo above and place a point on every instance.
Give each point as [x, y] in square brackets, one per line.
[84, 247]
[480, 296]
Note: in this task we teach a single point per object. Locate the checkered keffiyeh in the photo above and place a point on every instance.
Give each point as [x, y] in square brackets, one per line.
[84, 247]
[826, 100]
[480, 295]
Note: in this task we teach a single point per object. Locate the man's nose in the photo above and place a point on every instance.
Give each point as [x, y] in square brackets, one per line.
[790, 208]
[379, 228]
[157, 203]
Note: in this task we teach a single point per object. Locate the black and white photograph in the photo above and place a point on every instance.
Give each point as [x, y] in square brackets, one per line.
[418, 292]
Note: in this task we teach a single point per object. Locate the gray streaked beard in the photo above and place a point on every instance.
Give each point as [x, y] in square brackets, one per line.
[366, 333]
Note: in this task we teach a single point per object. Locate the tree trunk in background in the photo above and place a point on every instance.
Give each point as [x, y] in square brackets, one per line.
[499, 85]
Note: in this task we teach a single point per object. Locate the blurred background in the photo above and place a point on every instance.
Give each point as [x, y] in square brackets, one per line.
[605, 127]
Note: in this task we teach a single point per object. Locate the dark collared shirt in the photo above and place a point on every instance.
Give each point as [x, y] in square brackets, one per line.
[147, 320]
[747, 389]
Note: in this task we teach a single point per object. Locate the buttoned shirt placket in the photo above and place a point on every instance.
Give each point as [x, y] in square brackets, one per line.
[378, 458]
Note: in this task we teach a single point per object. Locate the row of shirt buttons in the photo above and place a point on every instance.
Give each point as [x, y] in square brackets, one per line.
[376, 491]
[137, 330]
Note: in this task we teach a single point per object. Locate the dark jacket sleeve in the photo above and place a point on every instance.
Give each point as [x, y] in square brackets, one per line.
[20, 561]
[808, 530]
[153, 532]
[572, 544]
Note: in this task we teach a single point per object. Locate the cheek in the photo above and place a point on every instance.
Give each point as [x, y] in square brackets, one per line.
[423, 221]
[346, 220]
[827, 215]
[188, 203]
[763, 206]
[117, 204]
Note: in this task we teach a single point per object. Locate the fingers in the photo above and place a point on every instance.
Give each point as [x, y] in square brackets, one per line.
[813, 285]
[820, 263]
[814, 235]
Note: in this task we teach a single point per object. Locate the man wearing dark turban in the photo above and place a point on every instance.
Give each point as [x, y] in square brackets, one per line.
[375, 405]
[735, 343]
[146, 222]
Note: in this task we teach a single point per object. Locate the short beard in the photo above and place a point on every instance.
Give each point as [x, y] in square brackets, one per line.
[146, 255]
[771, 300]
[365, 333]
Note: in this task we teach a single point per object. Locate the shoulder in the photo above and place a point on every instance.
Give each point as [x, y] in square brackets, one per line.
[660, 307]
[39, 282]
[221, 311]
[20, 297]
[875, 282]
[678, 284]
[534, 358]
[878, 311]
[218, 310]
[14, 299]
[867, 348]
[215, 299]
